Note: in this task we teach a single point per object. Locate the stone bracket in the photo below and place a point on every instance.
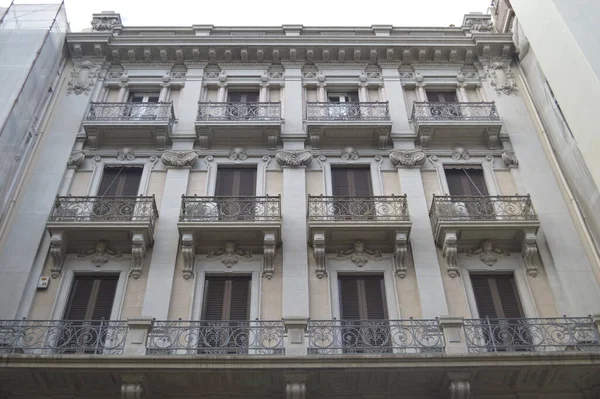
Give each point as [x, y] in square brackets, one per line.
[529, 252]
[295, 386]
[459, 386]
[138, 254]
[58, 252]
[400, 250]
[188, 252]
[319, 253]
[268, 269]
[449, 252]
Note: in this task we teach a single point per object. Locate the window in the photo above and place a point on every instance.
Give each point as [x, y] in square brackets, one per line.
[88, 311]
[120, 181]
[466, 181]
[342, 97]
[144, 97]
[441, 96]
[242, 97]
[224, 328]
[363, 311]
[355, 185]
[497, 300]
[238, 186]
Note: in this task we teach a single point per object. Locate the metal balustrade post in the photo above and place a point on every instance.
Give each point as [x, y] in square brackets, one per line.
[454, 334]
[296, 342]
[138, 329]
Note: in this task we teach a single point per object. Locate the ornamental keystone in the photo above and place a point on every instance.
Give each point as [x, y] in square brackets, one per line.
[294, 158]
[408, 158]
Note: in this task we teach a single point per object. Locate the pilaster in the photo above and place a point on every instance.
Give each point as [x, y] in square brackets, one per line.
[293, 110]
[395, 96]
[188, 101]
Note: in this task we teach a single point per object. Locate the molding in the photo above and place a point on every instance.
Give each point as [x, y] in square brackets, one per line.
[487, 253]
[138, 254]
[319, 253]
[450, 252]
[179, 159]
[58, 253]
[189, 254]
[358, 254]
[407, 158]
[100, 253]
[294, 158]
[400, 251]
[229, 255]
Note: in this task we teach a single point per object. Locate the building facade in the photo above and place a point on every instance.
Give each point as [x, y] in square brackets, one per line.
[308, 212]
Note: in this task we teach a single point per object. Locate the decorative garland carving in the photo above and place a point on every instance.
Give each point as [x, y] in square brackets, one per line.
[294, 158]
[407, 158]
[105, 24]
[229, 255]
[126, 154]
[179, 159]
[100, 253]
[480, 24]
[358, 254]
[500, 75]
[487, 253]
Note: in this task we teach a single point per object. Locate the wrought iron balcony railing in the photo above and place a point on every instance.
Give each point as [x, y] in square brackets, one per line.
[433, 111]
[238, 111]
[62, 337]
[380, 208]
[225, 209]
[330, 337]
[357, 111]
[104, 209]
[216, 337]
[130, 112]
[473, 208]
[531, 335]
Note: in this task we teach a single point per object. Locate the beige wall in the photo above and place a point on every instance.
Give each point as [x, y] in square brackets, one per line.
[314, 182]
[182, 293]
[197, 183]
[311, 95]
[542, 294]
[41, 307]
[431, 185]
[156, 185]
[133, 300]
[391, 183]
[409, 301]
[113, 96]
[80, 183]
[271, 302]
[212, 94]
[174, 97]
[318, 289]
[274, 183]
[274, 95]
[473, 95]
[454, 289]
[506, 183]
[410, 96]
[373, 95]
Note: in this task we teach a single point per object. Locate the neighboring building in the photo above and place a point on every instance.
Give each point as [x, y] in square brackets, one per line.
[557, 41]
[32, 38]
[309, 212]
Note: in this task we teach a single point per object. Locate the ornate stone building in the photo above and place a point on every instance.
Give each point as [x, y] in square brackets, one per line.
[295, 212]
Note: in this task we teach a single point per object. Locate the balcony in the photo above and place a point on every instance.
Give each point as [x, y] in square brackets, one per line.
[117, 124]
[449, 123]
[360, 123]
[337, 337]
[50, 337]
[80, 224]
[253, 123]
[564, 334]
[216, 337]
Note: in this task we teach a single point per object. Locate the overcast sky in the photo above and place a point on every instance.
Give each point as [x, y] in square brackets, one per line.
[271, 12]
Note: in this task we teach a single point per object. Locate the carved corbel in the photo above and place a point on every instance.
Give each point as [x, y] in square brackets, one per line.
[138, 254]
[189, 254]
[315, 137]
[400, 250]
[301, 158]
[510, 159]
[493, 137]
[58, 252]
[383, 135]
[271, 138]
[424, 138]
[131, 391]
[459, 389]
[529, 252]
[269, 255]
[76, 160]
[407, 158]
[295, 389]
[319, 252]
[179, 159]
[449, 252]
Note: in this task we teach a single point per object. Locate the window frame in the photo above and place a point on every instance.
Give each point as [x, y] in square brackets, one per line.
[486, 165]
[374, 167]
[102, 163]
[261, 166]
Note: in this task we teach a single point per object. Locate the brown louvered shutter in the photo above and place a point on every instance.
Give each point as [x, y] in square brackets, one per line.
[91, 297]
[226, 298]
[131, 182]
[362, 298]
[466, 181]
[496, 296]
[441, 96]
[360, 181]
[224, 182]
[246, 184]
[340, 184]
[236, 182]
[108, 185]
[120, 181]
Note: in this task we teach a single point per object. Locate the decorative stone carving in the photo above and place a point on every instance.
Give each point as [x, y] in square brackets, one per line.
[449, 252]
[407, 158]
[529, 252]
[83, 76]
[294, 158]
[407, 75]
[105, 23]
[487, 253]
[459, 389]
[349, 153]
[100, 254]
[400, 251]
[76, 160]
[510, 159]
[310, 75]
[319, 253]
[471, 75]
[480, 24]
[58, 252]
[374, 75]
[276, 75]
[126, 154]
[229, 255]
[131, 391]
[238, 154]
[359, 255]
[178, 75]
[189, 254]
[459, 152]
[269, 256]
[500, 75]
[179, 159]
[295, 390]
[138, 254]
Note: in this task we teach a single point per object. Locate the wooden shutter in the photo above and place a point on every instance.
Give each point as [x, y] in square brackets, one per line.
[465, 181]
[226, 298]
[120, 181]
[237, 182]
[362, 298]
[496, 296]
[91, 298]
[354, 182]
[441, 96]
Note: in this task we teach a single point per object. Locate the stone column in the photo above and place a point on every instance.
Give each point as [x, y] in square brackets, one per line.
[166, 240]
[263, 95]
[164, 92]
[222, 93]
[427, 269]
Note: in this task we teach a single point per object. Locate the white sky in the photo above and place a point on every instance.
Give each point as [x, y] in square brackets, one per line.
[271, 12]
